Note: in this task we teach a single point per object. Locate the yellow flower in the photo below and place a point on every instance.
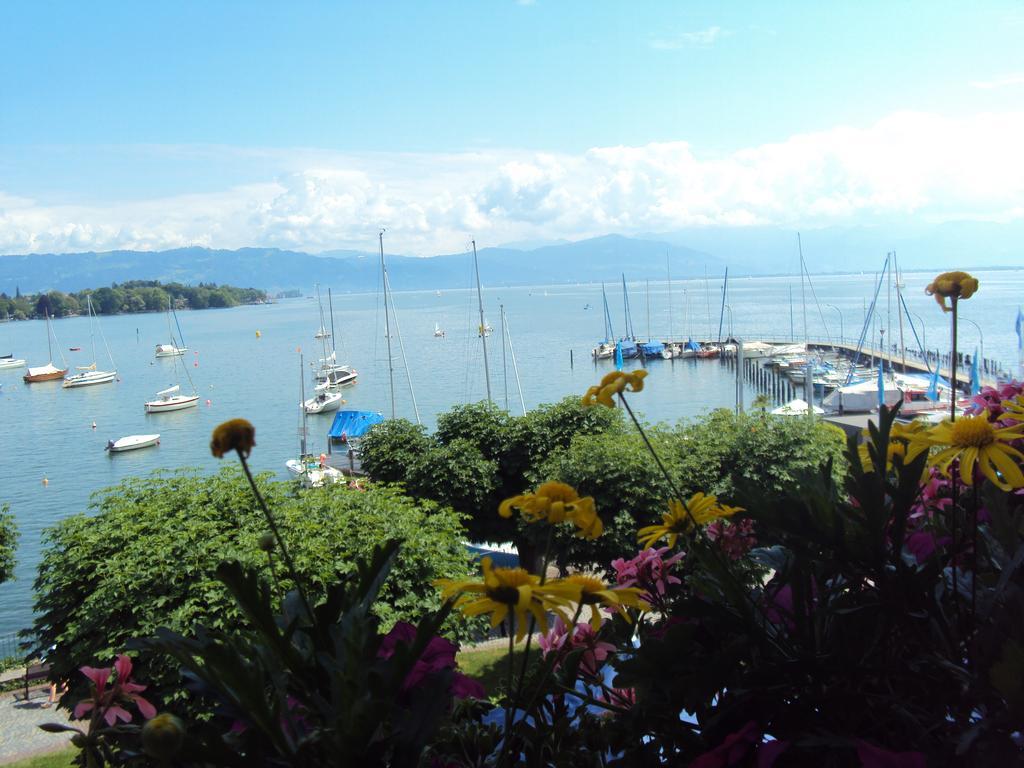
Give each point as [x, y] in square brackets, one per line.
[514, 591]
[556, 503]
[593, 591]
[952, 285]
[900, 445]
[162, 736]
[699, 510]
[1015, 408]
[613, 384]
[974, 439]
[235, 435]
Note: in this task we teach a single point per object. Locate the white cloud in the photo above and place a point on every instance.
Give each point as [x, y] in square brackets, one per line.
[699, 39]
[1000, 82]
[909, 165]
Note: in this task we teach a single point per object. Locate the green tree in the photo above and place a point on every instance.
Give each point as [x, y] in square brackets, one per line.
[8, 543]
[147, 558]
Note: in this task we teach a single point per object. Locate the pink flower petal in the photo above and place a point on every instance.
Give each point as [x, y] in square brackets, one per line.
[147, 710]
[85, 705]
[98, 677]
[115, 713]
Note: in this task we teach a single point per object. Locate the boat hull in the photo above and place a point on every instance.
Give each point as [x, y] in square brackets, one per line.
[33, 378]
[172, 404]
[89, 379]
[133, 443]
[317, 405]
[8, 363]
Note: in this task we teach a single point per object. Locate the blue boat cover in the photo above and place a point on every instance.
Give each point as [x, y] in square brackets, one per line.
[692, 345]
[351, 424]
[652, 348]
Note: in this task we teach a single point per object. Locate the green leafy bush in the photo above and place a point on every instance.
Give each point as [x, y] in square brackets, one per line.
[148, 558]
[8, 543]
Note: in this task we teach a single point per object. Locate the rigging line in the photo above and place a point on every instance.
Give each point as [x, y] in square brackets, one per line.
[821, 313]
[803, 293]
[504, 366]
[401, 347]
[920, 346]
[181, 336]
[867, 322]
[387, 323]
[515, 368]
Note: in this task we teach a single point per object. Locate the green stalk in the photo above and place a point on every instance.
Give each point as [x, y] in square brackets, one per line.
[292, 570]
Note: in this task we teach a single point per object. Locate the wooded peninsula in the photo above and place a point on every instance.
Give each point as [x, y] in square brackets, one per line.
[130, 297]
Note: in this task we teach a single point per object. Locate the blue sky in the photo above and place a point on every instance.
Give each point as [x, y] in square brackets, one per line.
[248, 121]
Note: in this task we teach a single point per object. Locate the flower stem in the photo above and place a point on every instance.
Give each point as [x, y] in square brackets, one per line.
[292, 570]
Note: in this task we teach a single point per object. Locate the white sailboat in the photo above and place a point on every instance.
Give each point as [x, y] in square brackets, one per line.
[323, 402]
[438, 333]
[329, 374]
[311, 471]
[89, 374]
[172, 349]
[10, 361]
[171, 399]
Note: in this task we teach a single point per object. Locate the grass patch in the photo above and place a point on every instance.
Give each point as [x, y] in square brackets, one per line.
[62, 759]
[490, 665]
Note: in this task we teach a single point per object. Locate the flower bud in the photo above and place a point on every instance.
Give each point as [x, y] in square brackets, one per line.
[235, 435]
[162, 736]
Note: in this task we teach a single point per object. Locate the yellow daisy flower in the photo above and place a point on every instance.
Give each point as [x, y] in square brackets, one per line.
[974, 439]
[680, 519]
[1015, 408]
[900, 444]
[555, 503]
[952, 285]
[510, 591]
[594, 592]
[612, 384]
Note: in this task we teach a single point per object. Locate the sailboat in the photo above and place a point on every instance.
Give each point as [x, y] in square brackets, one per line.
[627, 344]
[172, 399]
[438, 333]
[172, 349]
[605, 349]
[329, 373]
[8, 361]
[48, 372]
[311, 471]
[89, 375]
[485, 329]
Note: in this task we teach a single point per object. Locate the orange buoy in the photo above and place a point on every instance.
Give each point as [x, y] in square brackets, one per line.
[46, 481]
[208, 401]
[258, 334]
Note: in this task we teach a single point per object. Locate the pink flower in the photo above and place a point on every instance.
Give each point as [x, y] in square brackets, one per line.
[877, 757]
[108, 700]
[732, 750]
[649, 570]
[623, 698]
[438, 655]
[558, 640]
[735, 539]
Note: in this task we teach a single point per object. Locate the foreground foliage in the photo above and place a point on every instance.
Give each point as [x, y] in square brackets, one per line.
[148, 558]
[8, 543]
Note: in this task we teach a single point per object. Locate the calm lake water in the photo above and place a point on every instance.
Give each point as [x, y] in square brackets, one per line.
[47, 431]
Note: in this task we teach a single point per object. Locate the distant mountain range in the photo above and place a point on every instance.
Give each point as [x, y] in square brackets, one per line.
[602, 258]
[689, 252]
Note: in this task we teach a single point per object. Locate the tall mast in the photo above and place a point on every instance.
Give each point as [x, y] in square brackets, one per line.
[648, 310]
[302, 407]
[49, 346]
[668, 273]
[322, 332]
[387, 322]
[330, 308]
[721, 312]
[899, 300]
[483, 331]
[504, 344]
[803, 294]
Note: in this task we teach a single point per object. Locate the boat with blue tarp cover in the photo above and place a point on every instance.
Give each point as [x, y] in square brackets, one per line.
[351, 425]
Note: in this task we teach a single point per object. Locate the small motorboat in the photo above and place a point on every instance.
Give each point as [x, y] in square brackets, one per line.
[8, 361]
[324, 402]
[74, 349]
[132, 443]
[169, 350]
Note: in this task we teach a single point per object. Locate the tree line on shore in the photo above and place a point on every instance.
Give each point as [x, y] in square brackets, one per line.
[128, 297]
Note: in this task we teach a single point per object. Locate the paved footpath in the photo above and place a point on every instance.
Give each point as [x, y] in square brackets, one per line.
[20, 735]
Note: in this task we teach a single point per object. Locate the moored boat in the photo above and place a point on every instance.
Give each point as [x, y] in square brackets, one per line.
[324, 402]
[169, 350]
[9, 362]
[88, 377]
[48, 372]
[171, 399]
[132, 443]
